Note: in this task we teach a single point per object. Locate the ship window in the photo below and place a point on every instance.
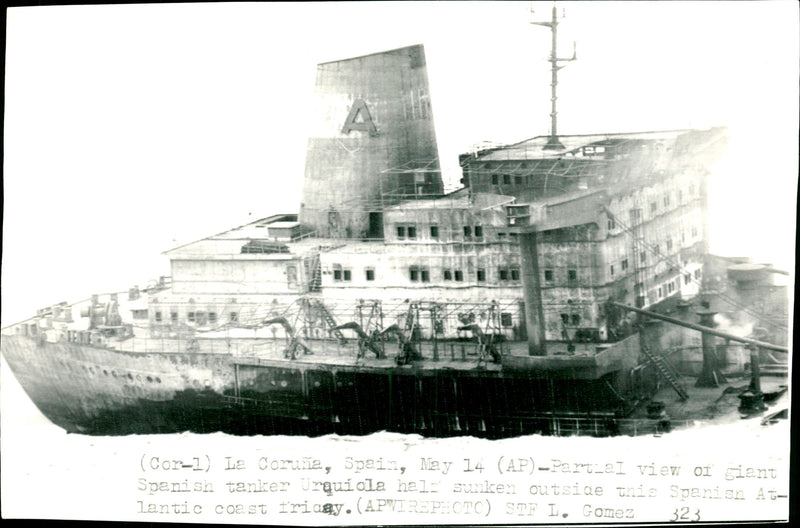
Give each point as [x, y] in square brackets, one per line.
[139, 314]
[481, 275]
[346, 274]
[503, 274]
[173, 316]
[434, 231]
[425, 275]
[612, 270]
[697, 273]
[212, 317]
[459, 275]
[572, 274]
[548, 275]
[656, 250]
[659, 293]
[234, 316]
[448, 275]
[201, 318]
[414, 273]
[478, 231]
[467, 231]
[518, 180]
[611, 224]
[401, 231]
[507, 179]
[495, 180]
[370, 274]
[501, 235]
[513, 235]
[158, 317]
[412, 231]
[576, 319]
[337, 272]
[514, 274]
[506, 320]
[687, 278]
[653, 207]
[565, 318]
[624, 264]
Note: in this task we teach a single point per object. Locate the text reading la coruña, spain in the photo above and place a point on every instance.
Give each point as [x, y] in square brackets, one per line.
[524, 487]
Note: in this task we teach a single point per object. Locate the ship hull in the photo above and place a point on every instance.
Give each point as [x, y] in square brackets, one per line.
[101, 391]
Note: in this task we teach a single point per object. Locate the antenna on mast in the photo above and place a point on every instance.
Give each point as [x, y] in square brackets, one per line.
[553, 143]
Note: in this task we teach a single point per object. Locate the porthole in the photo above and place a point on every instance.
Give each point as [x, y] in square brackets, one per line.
[105, 372]
[130, 376]
[284, 383]
[316, 384]
[149, 379]
[158, 380]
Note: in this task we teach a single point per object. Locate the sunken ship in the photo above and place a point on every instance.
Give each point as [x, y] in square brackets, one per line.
[501, 308]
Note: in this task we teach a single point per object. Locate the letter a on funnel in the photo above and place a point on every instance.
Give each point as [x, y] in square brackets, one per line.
[359, 119]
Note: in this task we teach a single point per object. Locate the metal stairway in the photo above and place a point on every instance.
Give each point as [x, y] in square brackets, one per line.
[667, 372]
[330, 321]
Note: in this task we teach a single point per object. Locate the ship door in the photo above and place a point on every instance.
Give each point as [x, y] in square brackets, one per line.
[375, 225]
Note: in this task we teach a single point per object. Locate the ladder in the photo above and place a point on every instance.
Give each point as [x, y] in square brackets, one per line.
[330, 321]
[666, 371]
[315, 271]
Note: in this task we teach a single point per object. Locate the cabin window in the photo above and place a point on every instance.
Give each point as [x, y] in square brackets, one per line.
[467, 231]
[507, 179]
[346, 275]
[576, 319]
[503, 274]
[687, 278]
[611, 268]
[506, 320]
[414, 273]
[624, 264]
[139, 314]
[495, 180]
[212, 317]
[401, 231]
[478, 231]
[173, 316]
[434, 231]
[515, 274]
[572, 275]
[158, 317]
[448, 275]
[666, 200]
[501, 236]
[697, 273]
[370, 273]
[611, 224]
[659, 293]
[565, 318]
[337, 272]
[412, 231]
[481, 275]
[653, 207]
[548, 275]
[425, 275]
[518, 180]
[190, 317]
[459, 275]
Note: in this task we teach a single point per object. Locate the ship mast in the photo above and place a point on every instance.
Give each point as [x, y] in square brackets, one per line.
[553, 143]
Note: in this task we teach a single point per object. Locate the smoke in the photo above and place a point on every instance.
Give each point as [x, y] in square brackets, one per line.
[733, 326]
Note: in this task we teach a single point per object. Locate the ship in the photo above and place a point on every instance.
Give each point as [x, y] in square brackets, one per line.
[526, 301]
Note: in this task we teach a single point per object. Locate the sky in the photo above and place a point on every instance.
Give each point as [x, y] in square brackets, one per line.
[131, 129]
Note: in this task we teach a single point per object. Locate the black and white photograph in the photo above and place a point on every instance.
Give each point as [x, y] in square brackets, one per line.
[357, 263]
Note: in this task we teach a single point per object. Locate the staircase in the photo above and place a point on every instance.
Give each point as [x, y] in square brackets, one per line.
[667, 372]
[315, 272]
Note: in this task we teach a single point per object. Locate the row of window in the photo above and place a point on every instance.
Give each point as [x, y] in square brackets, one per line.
[200, 318]
[422, 274]
[409, 231]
